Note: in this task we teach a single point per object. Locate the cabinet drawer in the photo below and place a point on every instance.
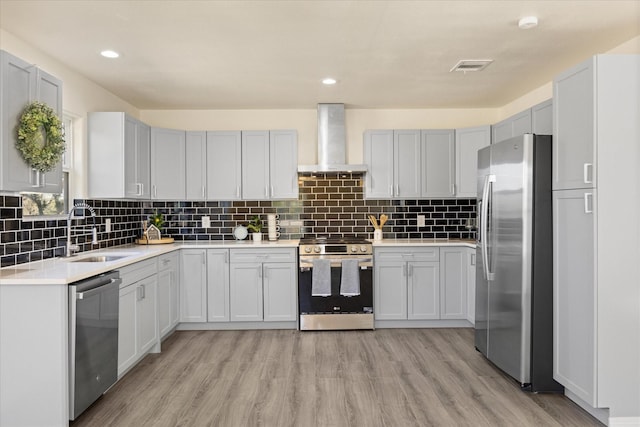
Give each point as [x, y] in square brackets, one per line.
[407, 254]
[264, 255]
[138, 271]
[168, 261]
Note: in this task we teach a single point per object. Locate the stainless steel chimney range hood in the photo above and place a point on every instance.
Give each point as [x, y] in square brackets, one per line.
[332, 145]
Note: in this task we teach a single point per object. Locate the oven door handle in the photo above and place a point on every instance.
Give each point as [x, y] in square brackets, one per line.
[306, 266]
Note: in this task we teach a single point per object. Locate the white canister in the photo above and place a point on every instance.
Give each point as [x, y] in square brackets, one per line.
[377, 234]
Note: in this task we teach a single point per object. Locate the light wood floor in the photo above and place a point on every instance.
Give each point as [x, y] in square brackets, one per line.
[387, 377]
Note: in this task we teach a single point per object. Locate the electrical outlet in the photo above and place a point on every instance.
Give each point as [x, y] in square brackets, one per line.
[206, 222]
[420, 221]
[107, 225]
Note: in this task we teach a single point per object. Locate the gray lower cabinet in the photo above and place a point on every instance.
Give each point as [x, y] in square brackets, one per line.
[453, 283]
[23, 83]
[168, 298]
[406, 283]
[168, 164]
[263, 285]
[138, 321]
[421, 283]
[196, 165]
[193, 285]
[468, 142]
[218, 285]
[575, 292]
[471, 285]
[118, 156]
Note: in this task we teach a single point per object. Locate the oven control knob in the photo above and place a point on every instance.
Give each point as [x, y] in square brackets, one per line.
[307, 249]
[363, 249]
[354, 249]
[316, 249]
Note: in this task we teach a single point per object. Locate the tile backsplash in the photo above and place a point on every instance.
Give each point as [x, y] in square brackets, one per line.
[328, 204]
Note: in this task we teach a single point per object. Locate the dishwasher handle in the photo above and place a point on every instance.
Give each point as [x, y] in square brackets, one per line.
[88, 287]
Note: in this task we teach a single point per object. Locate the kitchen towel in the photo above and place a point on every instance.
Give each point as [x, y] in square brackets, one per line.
[350, 278]
[321, 278]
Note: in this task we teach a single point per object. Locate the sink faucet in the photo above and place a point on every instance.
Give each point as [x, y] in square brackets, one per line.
[72, 248]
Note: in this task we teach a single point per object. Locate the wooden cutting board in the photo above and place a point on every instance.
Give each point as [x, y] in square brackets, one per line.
[162, 241]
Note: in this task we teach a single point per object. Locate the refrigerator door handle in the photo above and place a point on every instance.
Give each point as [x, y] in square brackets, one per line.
[486, 201]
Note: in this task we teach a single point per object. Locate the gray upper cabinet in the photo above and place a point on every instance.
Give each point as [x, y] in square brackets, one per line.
[269, 165]
[167, 164]
[196, 165]
[438, 163]
[255, 165]
[283, 164]
[542, 118]
[118, 156]
[518, 124]
[224, 165]
[468, 142]
[23, 83]
[378, 156]
[573, 149]
[406, 163]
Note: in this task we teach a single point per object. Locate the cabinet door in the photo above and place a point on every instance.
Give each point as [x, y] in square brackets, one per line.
[390, 281]
[516, 125]
[501, 131]
[283, 164]
[423, 286]
[574, 128]
[18, 89]
[193, 285]
[143, 159]
[453, 283]
[378, 156]
[471, 285]
[406, 163]
[147, 323]
[167, 164]
[218, 285]
[127, 328]
[468, 142]
[438, 163]
[255, 165]
[542, 118]
[164, 302]
[49, 91]
[224, 165]
[245, 291]
[280, 292]
[574, 292]
[196, 165]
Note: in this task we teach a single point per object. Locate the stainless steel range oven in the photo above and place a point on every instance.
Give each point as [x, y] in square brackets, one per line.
[335, 284]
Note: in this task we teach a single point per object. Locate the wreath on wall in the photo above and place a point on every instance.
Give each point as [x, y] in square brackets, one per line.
[40, 137]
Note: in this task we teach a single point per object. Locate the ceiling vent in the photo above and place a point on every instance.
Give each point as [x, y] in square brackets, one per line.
[465, 65]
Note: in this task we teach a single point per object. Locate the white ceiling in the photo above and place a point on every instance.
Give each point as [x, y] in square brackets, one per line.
[273, 54]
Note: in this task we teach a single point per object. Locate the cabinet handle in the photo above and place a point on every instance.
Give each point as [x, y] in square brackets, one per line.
[391, 190]
[397, 190]
[204, 193]
[155, 191]
[453, 189]
[410, 270]
[144, 291]
[588, 202]
[237, 192]
[473, 259]
[271, 194]
[139, 189]
[586, 174]
[266, 191]
[226, 257]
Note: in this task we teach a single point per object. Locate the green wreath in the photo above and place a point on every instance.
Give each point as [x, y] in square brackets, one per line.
[40, 137]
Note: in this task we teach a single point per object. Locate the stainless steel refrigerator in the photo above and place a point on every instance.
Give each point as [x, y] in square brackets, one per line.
[514, 275]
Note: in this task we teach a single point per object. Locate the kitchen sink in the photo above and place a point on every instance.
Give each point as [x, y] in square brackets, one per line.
[100, 258]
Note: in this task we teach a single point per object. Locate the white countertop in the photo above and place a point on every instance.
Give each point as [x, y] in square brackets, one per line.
[62, 271]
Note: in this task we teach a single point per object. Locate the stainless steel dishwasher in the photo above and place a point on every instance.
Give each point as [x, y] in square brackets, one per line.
[93, 339]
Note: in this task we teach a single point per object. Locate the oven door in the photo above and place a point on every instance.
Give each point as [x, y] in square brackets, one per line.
[356, 311]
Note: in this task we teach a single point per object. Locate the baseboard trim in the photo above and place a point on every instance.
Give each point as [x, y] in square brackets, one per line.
[382, 324]
[237, 326]
[624, 422]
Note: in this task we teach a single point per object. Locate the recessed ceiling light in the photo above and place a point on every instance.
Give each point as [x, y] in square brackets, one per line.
[329, 81]
[528, 22]
[109, 54]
